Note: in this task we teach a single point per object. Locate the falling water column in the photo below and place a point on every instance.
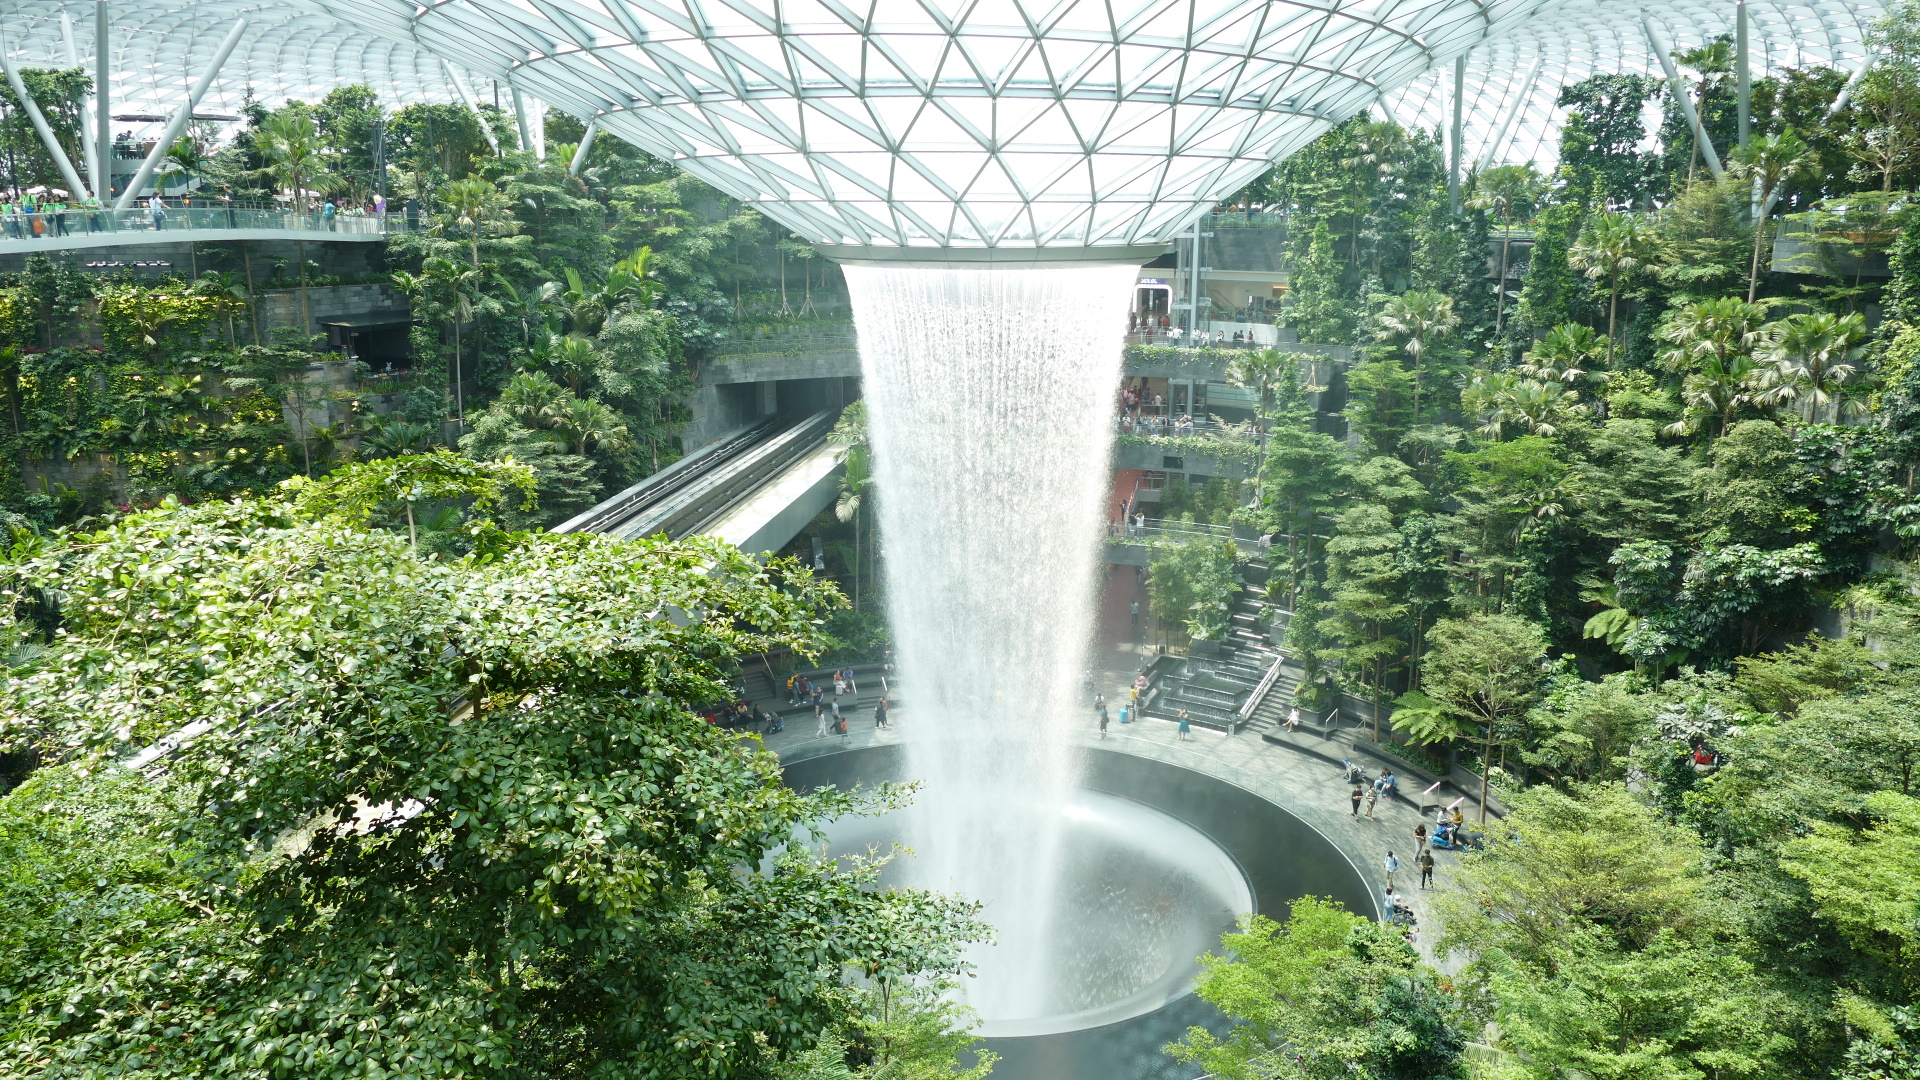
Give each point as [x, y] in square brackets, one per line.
[989, 394]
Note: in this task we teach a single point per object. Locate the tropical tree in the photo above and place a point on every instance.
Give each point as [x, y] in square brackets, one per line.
[351, 495]
[586, 425]
[1503, 400]
[1612, 246]
[1717, 329]
[1810, 356]
[1564, 356]
[1770, 161]
[1508, 191]
[474, 204]
[1717, 391]
[1260, 370]
[1419, 319]
[1487, 669]
[295, 153]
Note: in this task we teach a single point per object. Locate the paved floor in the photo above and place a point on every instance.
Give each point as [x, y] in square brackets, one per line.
[1306, 786]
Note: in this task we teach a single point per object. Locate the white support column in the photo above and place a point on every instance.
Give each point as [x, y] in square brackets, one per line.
[1742, 72]
[89, 147]
[537, 125]
[586, 144]
[102, 111]
[520, 118]
[1664, 52]
[1455, 152]
[1513, 111]
[466, 96]
[59, 155]
[179, 122]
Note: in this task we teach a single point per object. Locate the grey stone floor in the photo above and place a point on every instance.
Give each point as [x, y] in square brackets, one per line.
[1305, 786]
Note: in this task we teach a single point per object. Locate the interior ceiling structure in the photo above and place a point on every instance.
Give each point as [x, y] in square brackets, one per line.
[947, 123]
[958, 123]
[158, 47]
[1590, 37]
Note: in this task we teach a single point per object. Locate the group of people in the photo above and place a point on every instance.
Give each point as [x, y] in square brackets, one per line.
[1131, 424]
[1384, 786]
[30, 217]
[1196, 339]
[828, 719]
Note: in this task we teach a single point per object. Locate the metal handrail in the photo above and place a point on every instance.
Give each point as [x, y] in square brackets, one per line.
[1259, 692]
[75, 222]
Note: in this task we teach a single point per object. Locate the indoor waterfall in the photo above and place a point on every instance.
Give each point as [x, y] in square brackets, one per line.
[989, 395]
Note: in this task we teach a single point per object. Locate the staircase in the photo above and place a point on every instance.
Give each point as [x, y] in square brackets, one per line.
[1214, 689]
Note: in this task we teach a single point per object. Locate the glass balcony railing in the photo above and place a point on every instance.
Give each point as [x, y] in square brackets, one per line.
[150, 225]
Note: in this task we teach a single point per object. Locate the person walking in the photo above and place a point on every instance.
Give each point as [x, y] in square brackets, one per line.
[1420, 836]
[1133, 613]
[1373, 796]
[838, 722]
[1186, 728]
[819, 721]
[1425, 862]
[1393, 866]
[1103, 723]
[880, 714]
[1358, 794]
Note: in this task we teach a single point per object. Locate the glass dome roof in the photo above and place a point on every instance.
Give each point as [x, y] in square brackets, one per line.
[958, 123]
[1589, 37]
[157, 49]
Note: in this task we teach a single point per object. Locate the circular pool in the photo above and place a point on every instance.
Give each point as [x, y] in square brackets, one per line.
[1156, 862]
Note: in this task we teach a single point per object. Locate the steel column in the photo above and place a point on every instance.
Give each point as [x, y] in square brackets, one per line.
[74, 186]
[466, 96]
[1742, 72]
[179, 122]
[586, 144]
[1458, 130]
[103, 113]
[520, 119]
[1679, 90]
[1513, 112]
[88, 146]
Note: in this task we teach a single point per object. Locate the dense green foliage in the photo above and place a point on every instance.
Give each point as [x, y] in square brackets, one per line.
[421, 817]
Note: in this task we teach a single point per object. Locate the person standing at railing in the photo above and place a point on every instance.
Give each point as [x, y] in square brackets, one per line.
[226, 200]
[93, 214]
[10, 218]
[327, 214]
[380, 211]
[59, 218]
[157, 211]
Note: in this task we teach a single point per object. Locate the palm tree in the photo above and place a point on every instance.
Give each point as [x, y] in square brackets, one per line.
[1771, 160]
[1719, 389]
[296, 157]
[232, 292]
[186, 157]
[1421, 317]
[1501, 399]
[1505, 189]
[530, 309]
[586, 424]
[474, 203]
[295, 153]
[1378, 146]
[1611, 246]
[1716, 57]
[447, 285]
[1563, 355]
[1811, 356]
[533, 399]
[1711, 329]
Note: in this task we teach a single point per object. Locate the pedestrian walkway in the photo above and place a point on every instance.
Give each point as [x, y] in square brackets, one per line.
[1307, 786]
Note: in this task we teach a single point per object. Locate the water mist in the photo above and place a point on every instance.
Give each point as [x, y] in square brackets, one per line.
[989, 393]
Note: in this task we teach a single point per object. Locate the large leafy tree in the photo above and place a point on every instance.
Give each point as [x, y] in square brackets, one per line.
[1325, 994]
[1487, 669]
[418, 817]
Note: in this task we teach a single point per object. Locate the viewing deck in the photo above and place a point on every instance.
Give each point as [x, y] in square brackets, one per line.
[81, 229]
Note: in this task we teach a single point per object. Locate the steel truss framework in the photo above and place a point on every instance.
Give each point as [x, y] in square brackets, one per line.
[950, 123]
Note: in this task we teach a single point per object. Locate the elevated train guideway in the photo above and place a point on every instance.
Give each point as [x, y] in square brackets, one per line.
[756, 488]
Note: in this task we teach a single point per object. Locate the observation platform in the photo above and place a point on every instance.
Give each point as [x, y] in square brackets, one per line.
[84, 229]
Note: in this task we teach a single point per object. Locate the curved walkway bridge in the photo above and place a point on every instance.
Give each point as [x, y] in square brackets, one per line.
[79, 229]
